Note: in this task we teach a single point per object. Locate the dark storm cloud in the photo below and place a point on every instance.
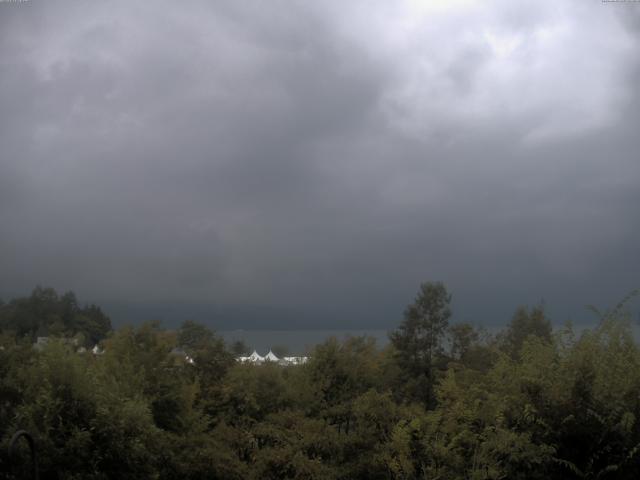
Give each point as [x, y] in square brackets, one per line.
[319, 161]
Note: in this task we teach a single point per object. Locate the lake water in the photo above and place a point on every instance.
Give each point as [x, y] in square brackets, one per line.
[297, 342]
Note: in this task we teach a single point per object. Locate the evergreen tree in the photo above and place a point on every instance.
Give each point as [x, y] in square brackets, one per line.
[418, 340]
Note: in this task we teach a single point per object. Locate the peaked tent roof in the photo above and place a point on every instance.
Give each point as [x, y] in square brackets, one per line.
[255, 357]
[271, 357]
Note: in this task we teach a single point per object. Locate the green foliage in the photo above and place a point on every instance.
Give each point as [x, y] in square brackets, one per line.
[250, 394]
[463, 338]
[337, 373]
[194, 336]
[418, 341]
[525, 323]
[45, 313]
[530, 404]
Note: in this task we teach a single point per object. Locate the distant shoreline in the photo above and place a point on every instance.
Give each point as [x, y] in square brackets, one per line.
[300, 342]
[296, 341]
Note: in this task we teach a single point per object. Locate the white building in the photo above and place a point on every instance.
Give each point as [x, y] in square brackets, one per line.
[295, 360]
[96, 350]
[179, 352]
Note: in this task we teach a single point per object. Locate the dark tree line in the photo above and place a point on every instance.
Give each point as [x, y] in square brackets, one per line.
[442, 400]
[45, 313]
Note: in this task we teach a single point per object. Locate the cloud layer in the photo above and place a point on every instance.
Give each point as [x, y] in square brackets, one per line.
[313, 162]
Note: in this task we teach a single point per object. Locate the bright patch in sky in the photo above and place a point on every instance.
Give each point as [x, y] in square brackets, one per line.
[429, 6]
[502, 45]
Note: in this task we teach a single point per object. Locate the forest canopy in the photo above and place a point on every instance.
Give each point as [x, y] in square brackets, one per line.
[442, 400]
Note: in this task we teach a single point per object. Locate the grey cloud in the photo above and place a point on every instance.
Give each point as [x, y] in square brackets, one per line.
[299, 164]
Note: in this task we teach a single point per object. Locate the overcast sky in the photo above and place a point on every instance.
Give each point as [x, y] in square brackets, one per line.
[308, 164]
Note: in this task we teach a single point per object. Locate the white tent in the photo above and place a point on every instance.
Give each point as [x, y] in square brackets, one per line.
[255, 358]
[270, 357]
